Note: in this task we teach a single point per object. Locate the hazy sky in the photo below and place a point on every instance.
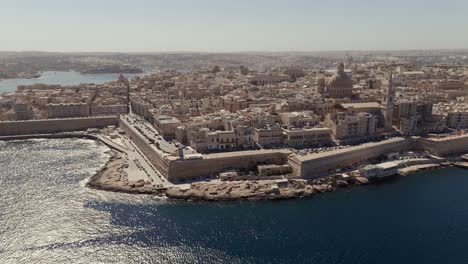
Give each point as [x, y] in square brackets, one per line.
[232, 25]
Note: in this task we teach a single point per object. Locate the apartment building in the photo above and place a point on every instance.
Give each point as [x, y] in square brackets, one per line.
[67, 110]
[306, 137]
[269, 136]
[346, 125]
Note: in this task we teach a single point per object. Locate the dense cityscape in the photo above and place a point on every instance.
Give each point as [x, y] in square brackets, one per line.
[240, 132]
[228, 123]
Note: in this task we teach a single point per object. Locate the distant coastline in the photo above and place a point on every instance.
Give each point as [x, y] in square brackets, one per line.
[63, 78]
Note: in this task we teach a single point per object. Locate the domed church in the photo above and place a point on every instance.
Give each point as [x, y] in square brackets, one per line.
[340, 84]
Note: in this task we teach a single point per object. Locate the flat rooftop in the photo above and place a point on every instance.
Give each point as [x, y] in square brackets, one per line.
[165, 119]
[361, 105]
[388, 165]
[246, 153]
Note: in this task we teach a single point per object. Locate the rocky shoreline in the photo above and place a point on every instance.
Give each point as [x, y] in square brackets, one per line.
[262, 189]
[112, 178]
[415, 168]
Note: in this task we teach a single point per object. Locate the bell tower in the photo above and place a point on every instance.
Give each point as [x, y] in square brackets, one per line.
[388, 102]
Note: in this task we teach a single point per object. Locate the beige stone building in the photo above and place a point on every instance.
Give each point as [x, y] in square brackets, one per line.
[347, 126]
[233, 103]
[340, 84]
[222, 140]
[450, 84]
[264, 79]
[97, 110]
[269, 136]
[205, 141]
[166, 126]
[456, 113]
[305, 137]
[67, 110]
[23, 111]
[299, 119]
[411, 116]
[457, 120]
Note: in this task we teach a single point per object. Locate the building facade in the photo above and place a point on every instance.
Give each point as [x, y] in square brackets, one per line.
[346, 126]
[307, 137]
[340, 84]
[67, 110]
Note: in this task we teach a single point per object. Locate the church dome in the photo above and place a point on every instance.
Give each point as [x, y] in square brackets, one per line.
[340, 78]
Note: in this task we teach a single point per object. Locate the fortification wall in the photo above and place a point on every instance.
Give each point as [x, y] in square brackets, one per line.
[316, 165]
[45, 126]
[156, 158]
[175, 169]
[445, 146]
[214, 164]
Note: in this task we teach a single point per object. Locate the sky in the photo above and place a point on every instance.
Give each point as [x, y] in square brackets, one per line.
[231, 25]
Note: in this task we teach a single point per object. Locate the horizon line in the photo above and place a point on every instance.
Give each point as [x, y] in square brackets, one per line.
[239, 51]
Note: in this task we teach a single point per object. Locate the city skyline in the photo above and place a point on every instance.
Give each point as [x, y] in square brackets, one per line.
[233, 131]
[218, 26]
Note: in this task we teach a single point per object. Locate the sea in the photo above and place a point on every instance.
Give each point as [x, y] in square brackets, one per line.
[47, 215]
[62, 78]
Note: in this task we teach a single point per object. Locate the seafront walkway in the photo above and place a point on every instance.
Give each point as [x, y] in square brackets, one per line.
[139, 167]
[111, 143]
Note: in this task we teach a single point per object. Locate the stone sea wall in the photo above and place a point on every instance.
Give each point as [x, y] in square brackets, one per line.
[154, 156]
[317, 165]
[445, 146]
[214, 164]
[185, 169]
[8, 128]
[310, 166]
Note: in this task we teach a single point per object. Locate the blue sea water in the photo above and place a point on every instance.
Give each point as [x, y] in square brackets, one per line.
[48, 216]
[60, 77]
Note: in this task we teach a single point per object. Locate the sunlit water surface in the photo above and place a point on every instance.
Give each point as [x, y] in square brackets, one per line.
[62, 78]
[48, 216]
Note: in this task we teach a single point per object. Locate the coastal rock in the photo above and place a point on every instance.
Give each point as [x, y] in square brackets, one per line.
[272, 191]
[320, 188]
[274, 197]
[308, 192]
[298, 192]
[299, 184]
[362, 180]
[342, 183]
[288, 194]
[175, 193]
